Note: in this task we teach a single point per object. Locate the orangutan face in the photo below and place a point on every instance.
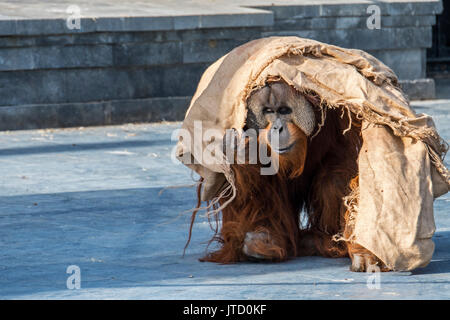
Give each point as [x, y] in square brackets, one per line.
[282, 111]
[288, 119]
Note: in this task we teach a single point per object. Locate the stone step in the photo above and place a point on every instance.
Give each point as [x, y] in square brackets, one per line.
[60, 115]
[35, 18]
[150, 53]
[63, 115]
[98, 84]
[317, 23]
[342, 8]
[130, 51]
[365, 39]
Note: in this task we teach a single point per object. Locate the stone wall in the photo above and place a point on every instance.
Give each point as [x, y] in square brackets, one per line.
[138, 69]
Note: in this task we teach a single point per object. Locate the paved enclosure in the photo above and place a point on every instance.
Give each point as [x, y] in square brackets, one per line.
[90, 197]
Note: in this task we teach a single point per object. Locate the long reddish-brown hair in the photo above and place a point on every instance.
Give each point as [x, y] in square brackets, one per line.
[315, 178]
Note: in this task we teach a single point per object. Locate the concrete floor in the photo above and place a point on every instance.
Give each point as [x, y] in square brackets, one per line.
[90, 197]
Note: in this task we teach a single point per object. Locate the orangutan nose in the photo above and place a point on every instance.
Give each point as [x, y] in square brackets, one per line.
[278, 125]
[278, 136]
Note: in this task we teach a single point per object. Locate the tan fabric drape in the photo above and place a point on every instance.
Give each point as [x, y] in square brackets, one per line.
[400, 166]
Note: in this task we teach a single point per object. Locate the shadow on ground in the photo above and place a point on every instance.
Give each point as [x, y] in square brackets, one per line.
[134, 238]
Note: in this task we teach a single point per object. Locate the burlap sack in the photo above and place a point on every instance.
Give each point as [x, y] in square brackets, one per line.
[401, 163]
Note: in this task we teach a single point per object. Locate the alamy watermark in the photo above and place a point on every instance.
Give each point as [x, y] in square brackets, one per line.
[374, 279]
[74, 280]
[374, 20]
[73, 21]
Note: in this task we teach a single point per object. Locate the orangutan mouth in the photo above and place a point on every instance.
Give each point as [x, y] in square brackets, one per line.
[283, 150]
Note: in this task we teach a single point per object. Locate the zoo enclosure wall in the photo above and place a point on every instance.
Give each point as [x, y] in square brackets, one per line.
[141, 62]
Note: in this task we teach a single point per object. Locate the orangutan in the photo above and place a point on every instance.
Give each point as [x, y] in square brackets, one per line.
[317, 169]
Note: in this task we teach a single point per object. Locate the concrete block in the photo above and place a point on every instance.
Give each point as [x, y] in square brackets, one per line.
[237, 20]
[148, 110]
[181, 80]
[408, 64]
[26, 27]
[93, 113]
[123, 24]
[223, 20]
[352, 22]
[90, 38]
[221, 33]
[186, 22]
[148, 54]
[366, 39]
[111, 84]
[346, 9]
[25, 117]
[413, 8]
[419, 89]
[208, 50]
[26, 87]
[289, 11]
[86, 85]
[55, 57]
[98, 84]
[7, 27]
[408, 21]
[146, 36]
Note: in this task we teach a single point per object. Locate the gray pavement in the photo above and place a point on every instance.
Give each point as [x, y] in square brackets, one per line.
[56, 9]
[25, 17]
[90, 197]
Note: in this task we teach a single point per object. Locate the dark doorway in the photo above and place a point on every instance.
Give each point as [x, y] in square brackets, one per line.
[438, 56]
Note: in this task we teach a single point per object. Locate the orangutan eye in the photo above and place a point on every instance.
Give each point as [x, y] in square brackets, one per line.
[284, 110]
[267, 110]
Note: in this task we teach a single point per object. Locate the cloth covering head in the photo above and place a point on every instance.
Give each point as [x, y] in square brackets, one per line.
[400, 164]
